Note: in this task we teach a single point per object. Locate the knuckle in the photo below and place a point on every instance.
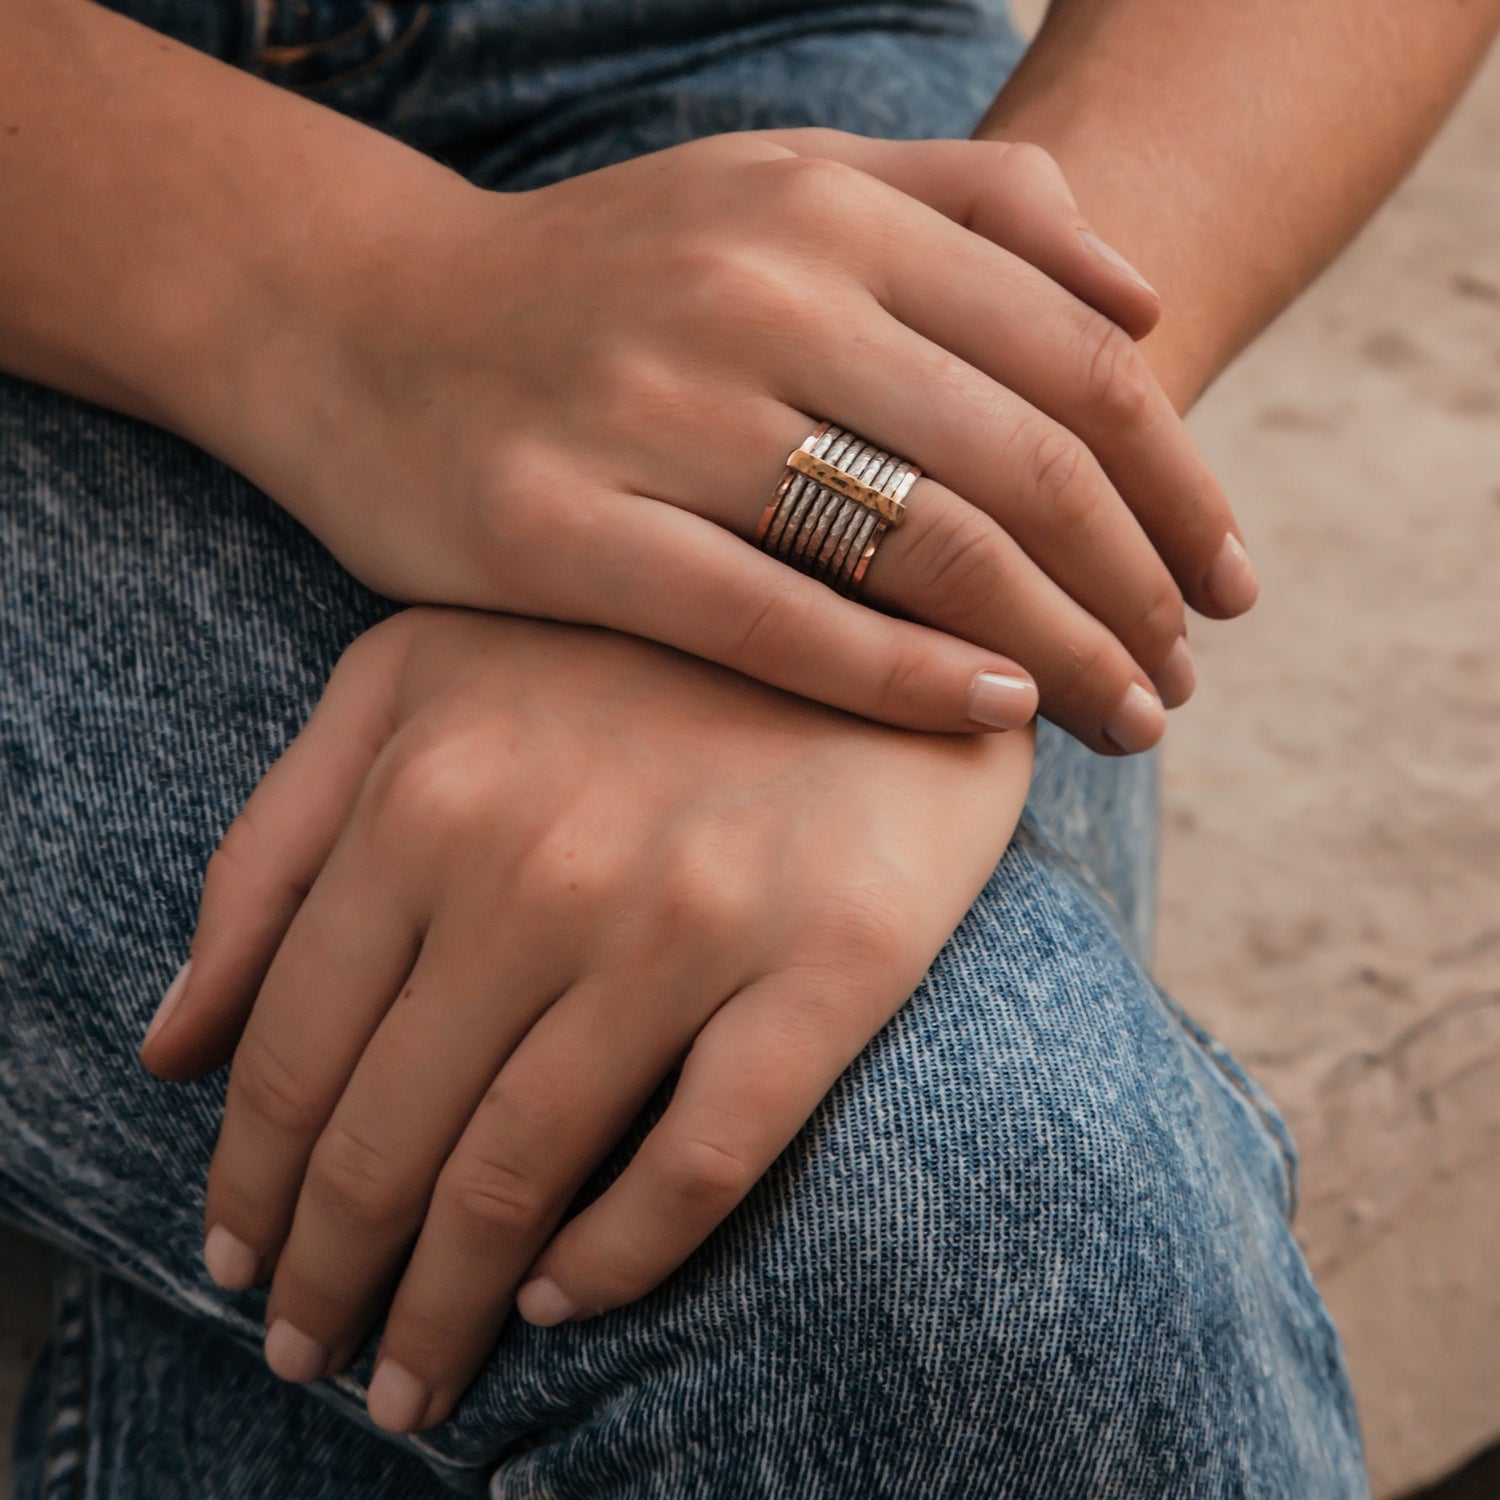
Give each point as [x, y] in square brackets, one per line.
[633, 385]
[1164, 616]
[768, 620]
[240, 863]
[960, 565]
[513, 473]
[807, 189]
[496, 1195]
[697, 897]
[356, 1180]
[512, 498]
[236, 852]
[1075, 507]
[730, 279]
[704, 1172]
[270, 1087]
[1117, 384]
[1028, 156]
[564, 871]
[1053, 466]
[860, 931]
[434, 787]
[1091, 668]
[901, 678]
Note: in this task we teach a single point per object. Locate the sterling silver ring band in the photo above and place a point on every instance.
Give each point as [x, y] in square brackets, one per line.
[839, 495]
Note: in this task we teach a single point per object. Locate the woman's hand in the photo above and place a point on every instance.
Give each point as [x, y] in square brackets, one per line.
[510, 876]
[574, 403]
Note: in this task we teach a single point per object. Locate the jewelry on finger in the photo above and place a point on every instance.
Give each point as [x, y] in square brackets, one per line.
[839, 495]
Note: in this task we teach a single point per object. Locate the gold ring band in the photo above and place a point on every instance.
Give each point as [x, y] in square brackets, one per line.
[837, 498]
[833, 478]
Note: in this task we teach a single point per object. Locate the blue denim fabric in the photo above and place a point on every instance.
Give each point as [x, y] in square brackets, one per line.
[1033, 1243]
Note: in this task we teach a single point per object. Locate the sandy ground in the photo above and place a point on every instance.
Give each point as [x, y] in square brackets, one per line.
[1331, 877]
[1329, 895]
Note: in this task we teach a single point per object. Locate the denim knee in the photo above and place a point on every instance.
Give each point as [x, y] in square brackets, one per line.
[1034, 1242]
[1050, 1226]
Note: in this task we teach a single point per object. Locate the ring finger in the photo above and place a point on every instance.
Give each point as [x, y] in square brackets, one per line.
[983, 443]
[565, 1097]
[1094, 618]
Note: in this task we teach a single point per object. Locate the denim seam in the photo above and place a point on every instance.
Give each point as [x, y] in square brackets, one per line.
[1271, 1126]
[67, 1398]
[1202, 1041]
[28, 1212]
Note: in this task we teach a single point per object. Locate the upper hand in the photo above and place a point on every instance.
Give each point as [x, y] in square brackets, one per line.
[510, 876]
[574, 403]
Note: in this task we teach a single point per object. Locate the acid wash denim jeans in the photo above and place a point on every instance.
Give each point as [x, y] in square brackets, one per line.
[1033, 1244]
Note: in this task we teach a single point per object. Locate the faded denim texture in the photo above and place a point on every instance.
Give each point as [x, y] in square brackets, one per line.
[1035, 1241]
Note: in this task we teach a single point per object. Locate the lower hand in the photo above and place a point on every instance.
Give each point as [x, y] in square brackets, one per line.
[507, 879]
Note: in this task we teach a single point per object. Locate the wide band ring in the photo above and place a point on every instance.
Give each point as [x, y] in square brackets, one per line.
[839, 496]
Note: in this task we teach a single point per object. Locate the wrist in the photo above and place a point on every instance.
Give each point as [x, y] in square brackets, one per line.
[1195, 338]
[309, 306]
[179, 233]
[1079, 93]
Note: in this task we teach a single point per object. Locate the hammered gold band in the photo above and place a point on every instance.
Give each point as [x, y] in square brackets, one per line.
[837, 498]
[846, 484]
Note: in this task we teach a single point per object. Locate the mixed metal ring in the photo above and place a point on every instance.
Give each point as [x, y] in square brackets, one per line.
[839, 496]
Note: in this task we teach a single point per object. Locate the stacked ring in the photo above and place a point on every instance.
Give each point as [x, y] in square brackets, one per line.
[839, 496]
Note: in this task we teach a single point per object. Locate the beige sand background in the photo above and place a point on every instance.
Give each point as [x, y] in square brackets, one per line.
[1331, 880]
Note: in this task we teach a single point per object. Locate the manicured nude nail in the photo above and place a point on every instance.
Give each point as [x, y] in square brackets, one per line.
[397, 1399]
[292, 1355]
[1112, 257]
[1138, 722]
[230, 1261]
[1175, 678]
[1231, 581]
[169, 1003]
[544, 1303]
[1001, 702]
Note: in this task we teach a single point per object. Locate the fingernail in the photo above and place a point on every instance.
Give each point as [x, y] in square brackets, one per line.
[396, 1399]
[1001, 702]
[230, 1261]
[1231, 581]
[544, 1303]
[292, 1355]
[1112, 257]
[169, 1003]
[1138, 722]
[1175, 679]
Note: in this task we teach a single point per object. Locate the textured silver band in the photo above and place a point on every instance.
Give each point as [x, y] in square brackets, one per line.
[828, 535]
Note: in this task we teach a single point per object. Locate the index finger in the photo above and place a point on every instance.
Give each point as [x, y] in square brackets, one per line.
[752, 1078]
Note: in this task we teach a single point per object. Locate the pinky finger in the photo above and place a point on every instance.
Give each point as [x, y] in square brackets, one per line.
[734, 604]
[749, 1084]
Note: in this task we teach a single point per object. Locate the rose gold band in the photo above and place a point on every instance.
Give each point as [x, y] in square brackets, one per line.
[837, 499]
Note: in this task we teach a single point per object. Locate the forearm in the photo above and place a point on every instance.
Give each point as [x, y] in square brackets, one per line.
[167, 217]
[1232, 150]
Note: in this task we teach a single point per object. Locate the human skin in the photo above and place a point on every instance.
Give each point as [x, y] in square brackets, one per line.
[501, 399]
[527, 869]
[1194, 229]
[1231, 151]
[1211, 237]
